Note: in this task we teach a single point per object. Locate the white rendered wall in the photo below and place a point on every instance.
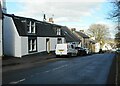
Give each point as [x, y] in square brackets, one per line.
[53, 43]
[41, 44]
[63, 40]
[97, 47]
[0, 37]
[12, 40]
[24, 46]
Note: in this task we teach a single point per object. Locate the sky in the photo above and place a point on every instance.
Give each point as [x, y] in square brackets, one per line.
[79, 14]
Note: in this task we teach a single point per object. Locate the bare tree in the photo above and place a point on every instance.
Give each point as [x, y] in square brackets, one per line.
[117, 39]
[99, 31]
[115, 16]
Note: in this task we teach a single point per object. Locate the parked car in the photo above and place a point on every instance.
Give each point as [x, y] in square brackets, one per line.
[101, 51]
[65, 50]
[118, 50]
[81, 51]
[87, 50]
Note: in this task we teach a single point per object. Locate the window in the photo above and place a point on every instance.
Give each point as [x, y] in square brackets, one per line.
[28, 26]
[32, 45]
[59, 41]
[23, 21]
[31, 26]
[58, 31]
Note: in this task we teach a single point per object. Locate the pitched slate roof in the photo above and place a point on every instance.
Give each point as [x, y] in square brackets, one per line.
[69, 36]
[82, 34]
[43, 29]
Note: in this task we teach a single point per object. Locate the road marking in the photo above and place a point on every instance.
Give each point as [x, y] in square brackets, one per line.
[47, 71]
[59, 67]
[16, 82]
[56, 68]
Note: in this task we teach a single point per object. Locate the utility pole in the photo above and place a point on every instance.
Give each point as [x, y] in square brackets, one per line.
[3, 10]
[1, 48]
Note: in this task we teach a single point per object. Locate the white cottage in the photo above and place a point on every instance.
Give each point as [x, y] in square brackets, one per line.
[25, 36]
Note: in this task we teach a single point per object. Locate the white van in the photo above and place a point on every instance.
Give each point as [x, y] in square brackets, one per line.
[65, 50]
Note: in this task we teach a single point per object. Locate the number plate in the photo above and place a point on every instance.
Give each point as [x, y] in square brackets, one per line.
[61, 50]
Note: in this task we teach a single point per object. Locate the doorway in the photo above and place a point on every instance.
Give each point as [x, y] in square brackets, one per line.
[48, 45]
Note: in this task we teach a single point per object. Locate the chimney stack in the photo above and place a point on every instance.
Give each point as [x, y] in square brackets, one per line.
[0, 11]
[3, 6]
[82, 31]
[51, 20]
[73, 29]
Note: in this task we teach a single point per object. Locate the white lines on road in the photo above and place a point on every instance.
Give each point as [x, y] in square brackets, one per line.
[21, 80]
[59, 67]
[47, 71]
[16, 82]
[56, 68]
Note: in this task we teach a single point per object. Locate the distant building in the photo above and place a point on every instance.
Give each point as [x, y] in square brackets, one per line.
[84, 38]
[70, 37]
[97, 47]
[106, 47]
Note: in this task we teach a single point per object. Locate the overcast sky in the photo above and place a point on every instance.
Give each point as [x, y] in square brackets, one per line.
[79, 14]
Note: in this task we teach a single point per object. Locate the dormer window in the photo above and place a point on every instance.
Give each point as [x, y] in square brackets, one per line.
[28, 26]
[31, 27]
[23, 21]
[58, 31]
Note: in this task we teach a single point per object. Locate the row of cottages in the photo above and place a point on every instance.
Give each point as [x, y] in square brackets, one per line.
[84, 38]
[86, 41]
[70, 37]
[24, 36]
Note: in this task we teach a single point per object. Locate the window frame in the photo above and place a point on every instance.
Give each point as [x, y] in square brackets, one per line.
[31, 27]
[32, 44]
[58, 31]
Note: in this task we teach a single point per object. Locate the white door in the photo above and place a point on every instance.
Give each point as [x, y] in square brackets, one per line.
[48, 45]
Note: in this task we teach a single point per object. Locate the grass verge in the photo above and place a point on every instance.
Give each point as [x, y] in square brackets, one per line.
[114, 74]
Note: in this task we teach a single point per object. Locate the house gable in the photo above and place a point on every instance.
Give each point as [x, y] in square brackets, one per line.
[69, 36]
[82, 35]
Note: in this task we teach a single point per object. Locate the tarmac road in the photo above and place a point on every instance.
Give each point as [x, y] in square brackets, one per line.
[93, 69]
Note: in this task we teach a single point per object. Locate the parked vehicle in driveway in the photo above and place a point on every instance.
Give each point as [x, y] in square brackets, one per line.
[65, 50]
[81, 51]
[87, 50]
[118, 50]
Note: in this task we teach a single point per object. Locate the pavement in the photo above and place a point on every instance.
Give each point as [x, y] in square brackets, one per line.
[13, 63]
